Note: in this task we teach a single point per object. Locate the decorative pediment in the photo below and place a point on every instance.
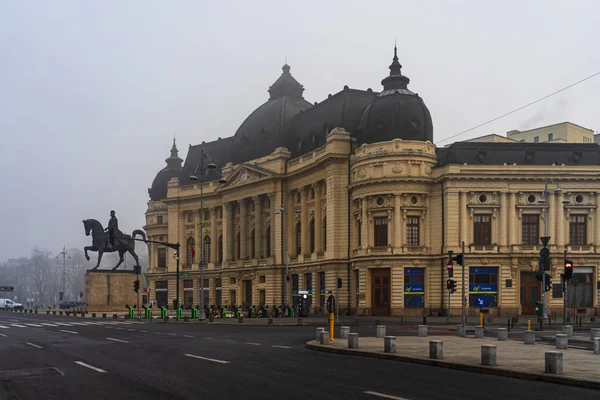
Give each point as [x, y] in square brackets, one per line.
[246, 173]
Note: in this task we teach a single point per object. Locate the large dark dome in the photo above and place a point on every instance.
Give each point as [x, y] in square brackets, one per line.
[396, 113]
[263, 130]
[158, 191]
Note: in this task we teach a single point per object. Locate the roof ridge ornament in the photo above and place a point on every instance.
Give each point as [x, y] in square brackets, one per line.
[395, 80]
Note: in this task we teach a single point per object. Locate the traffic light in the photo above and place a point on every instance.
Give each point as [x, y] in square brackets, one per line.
[136, 285]
[568, 269]
[339, 283]
[548, 283]
[460, 259]
[539, 277]
[451, 285]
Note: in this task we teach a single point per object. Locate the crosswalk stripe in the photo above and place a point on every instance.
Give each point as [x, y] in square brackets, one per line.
[18, 326]
[4, 327]
[63, 324]
[46, 324]
[36, 325]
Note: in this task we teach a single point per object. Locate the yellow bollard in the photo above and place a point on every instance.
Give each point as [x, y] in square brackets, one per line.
[480, 318]
[528, 324]
[331, 326]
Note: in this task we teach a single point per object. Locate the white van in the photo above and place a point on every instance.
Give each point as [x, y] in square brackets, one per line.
[8, 303]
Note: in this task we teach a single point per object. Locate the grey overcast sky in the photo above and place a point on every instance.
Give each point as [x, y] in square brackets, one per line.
[91, 92]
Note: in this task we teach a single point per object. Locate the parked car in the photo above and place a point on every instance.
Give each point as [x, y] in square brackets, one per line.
[8, 303]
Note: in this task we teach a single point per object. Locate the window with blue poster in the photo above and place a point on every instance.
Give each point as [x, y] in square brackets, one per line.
[483, 287]
[414, 287]
[295, 290]
[322, 289]
[308, 285]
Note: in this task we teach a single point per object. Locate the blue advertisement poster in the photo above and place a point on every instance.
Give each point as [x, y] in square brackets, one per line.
[484, 293]
[414, 287]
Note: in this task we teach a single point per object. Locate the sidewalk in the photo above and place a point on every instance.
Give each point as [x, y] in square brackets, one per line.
[514, 358]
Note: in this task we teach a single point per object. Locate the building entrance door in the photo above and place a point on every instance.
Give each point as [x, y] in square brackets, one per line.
[380, 291]
[247, 295]
[530, 292]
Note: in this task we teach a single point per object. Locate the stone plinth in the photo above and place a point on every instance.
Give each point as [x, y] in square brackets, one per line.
[110, 290]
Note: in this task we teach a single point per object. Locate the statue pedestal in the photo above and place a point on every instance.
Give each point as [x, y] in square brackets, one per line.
[107, 291]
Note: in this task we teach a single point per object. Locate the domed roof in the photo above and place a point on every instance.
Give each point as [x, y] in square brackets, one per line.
[263, 130]
[158, 191]
[396, 113]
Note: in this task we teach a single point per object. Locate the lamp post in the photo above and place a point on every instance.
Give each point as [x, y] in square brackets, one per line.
[282, 210]
[199, 175]
[544, 201]
[65, 255]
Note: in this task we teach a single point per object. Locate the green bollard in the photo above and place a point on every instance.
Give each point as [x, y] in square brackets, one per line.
[163, 312]
[148, 312]
[131, 311]
[194, 313]
[178, 312]
[292, 312]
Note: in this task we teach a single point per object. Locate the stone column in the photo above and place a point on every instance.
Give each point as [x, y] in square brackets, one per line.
[365, 223]
[597, 222]
[512, 219]
[464, 218]
[560, 221]
[243, 229]
[304, 220]
[258, 230]
[291, 215]
[503, 234]
[274, 207]
[427, 222]
[214, 240]
[318, 218]
[551, 218]
[228, 231]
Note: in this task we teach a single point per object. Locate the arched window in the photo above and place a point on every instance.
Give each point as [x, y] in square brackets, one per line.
[324, 234]
[298, 238]
[206, 252]
[266, 203]
[238, 246]
[190, 256]
[312, 236]
[252, 243]
[268, 239]
[220, 249]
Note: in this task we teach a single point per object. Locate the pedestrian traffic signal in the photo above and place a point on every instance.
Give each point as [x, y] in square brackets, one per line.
[548, 283]
[451, 285]
[339, 283]
[460, 259]
[568, 269]
[136, 285]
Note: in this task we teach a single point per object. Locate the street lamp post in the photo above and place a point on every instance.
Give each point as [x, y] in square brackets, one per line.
[65, 255]
[199, 175]
[282, 210]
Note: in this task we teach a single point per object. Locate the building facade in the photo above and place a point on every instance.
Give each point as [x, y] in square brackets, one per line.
[354, 188]
[564, 132]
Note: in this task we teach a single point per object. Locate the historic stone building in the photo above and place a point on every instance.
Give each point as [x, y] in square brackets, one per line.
[354, 188]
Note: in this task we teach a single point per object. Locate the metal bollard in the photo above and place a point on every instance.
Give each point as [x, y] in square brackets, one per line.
[594, 333]
[488, 354]
[596, 345]
[422, 331]
[554, 362]
[562, 341]
[353, 340]
[319, 331]
[436, 349]
[502, 334]
[479, 331]
[529, 337]
[380, 331]
[324, 339]
[270, 321]
[568, 330]
[344, 331]
[508, 324]
[460, 331]
[389, 344]
[424, 319]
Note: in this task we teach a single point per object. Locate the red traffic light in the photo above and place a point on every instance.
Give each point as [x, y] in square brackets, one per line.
[568, 269]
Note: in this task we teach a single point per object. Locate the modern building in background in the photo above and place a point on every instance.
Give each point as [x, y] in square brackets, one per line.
[353, 188]
[566, 132]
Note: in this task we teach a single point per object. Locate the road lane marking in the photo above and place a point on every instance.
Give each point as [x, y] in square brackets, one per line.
[108, 327]
[385, 396]
[173, 334]
[254, 344]
[2, 334]
[36, 325]
[46, 324]
[229, 340]
[63, 324]
[4, 327]
[80, 323]
[18, 326]
[90, 367]
[34, 345]
[117, 340]
[73, 332]
[143, 331]
[208, 338]
[207, 359]
[131, 330]
[187, 336]
[280, 347]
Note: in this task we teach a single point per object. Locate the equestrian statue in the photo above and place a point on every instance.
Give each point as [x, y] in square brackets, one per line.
[102, 238]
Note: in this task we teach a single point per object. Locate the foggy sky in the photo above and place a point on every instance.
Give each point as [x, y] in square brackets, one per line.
[91, 92]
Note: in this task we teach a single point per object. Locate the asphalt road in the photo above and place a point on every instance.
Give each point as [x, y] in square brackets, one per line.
[100, 359]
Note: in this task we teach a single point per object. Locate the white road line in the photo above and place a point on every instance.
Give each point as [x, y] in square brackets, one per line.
[45, 324]
[385, 396]
[120, 329]
[34, 345]
[208, 338]
[187, 336]
[143, 331]
[73, 332]
[90, 367]
[36, 325]
[117, 340]
[2, 334]
[280, 347]
[108, 327]
[4, 327]
[18, 326]
[131, 330]
[63, 324]
[173, 334]
[80, 323]
[229, 340]
[254, 344]
[207, 359]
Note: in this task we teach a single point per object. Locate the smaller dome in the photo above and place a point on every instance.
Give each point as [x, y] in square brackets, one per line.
[158, 191]
[396, 113]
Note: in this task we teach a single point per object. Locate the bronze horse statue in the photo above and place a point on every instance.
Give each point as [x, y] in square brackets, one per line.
[123, 243]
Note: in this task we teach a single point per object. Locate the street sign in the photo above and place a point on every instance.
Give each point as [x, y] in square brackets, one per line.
[7, 289]
[185, 274]
[545, 252]
[545, 240]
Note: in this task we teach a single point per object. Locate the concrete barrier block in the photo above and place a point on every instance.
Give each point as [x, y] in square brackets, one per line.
[103, 315]
[324, 339]
[479, 331]
[594, 333]
[381, 331]
[115, 316]
[436, 349]
[554, 362]
[299, 321]
[48, 312]
[502, 334]
[344, 331]
[93, 315]
[568, 330]
[60, 313]
[562, 341]
[596, 345]
[389, 344]
[270, 321]
[422, 331]
[353, 340]
[529, 337]
[319, 331]
[460, 331]
[488, 354]
[53, 312]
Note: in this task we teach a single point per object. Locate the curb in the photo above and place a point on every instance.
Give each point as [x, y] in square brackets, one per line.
[558, 379]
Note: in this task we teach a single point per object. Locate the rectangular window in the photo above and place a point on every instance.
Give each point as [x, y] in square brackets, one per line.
[162, 293]
[580, 290]
[412, 231]
[483, 287]
[357, 285]
[550, 136]
[322, 289]
[159, 219]
[295, 290]
[233, 297]
[414, 287]
[577, 229]
[359, 233]
[482, 228]
[218, 291]
[262, 279]
[308, 287]
[381, 231]
[191, 217]
[188, 292]
[232, 281]
[188, 284]
[262, 298]
[162, 258]
[536, 139]
[530, 229]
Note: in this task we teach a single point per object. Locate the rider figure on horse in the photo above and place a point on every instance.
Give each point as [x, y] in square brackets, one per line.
[112, 228]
